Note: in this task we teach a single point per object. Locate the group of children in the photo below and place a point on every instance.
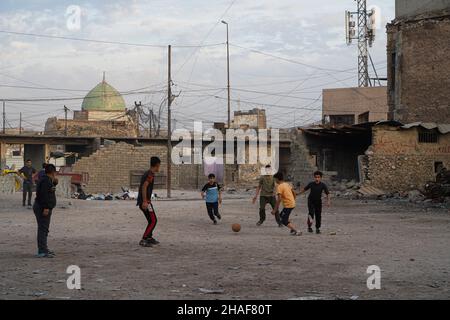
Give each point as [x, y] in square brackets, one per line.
[271, 190]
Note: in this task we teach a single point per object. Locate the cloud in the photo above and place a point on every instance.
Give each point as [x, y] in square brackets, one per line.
[302, 30]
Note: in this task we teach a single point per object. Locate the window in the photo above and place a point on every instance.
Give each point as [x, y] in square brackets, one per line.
[393, 71]
[428, 137]
[364, 117]
[16, 153]
[342, 119]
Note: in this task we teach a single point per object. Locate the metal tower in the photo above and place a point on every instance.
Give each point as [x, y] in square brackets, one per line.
[365, 34]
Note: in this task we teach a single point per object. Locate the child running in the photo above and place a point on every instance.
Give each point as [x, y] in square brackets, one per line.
[212, 193]
[145, 204]
[285, 195]
[317, 187]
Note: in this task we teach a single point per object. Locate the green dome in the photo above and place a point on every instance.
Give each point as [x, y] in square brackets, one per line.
[103, 98]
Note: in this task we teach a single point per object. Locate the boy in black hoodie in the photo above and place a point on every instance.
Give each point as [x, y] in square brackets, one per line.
[43, 207]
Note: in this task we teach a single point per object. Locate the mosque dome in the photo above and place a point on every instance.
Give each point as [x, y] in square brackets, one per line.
[103, 98]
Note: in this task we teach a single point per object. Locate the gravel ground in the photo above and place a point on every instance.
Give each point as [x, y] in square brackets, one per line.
[409, 244]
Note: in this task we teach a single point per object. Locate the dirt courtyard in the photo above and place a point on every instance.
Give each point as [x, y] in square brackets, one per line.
[409, 244]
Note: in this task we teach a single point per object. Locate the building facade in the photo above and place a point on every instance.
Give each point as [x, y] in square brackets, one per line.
[418, 62]
[348, 106]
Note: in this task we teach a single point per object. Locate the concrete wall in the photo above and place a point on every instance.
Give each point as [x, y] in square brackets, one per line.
[398, 162]
[101, 115]
[418, 70]
[254, 119]
[410, 8]
[356, 101]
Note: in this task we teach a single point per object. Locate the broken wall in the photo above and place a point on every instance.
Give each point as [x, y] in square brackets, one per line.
[110, 168]
[418, 68]
[398, 162]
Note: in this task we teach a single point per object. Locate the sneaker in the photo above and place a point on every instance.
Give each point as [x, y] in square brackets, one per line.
[145, 243]
[45, 255]
[310, 230]
[215, 222]
[280, 225]
[318, 231]
[219, 216]
[153, 241]
[259, 223]
[50, 252]
[295, 233]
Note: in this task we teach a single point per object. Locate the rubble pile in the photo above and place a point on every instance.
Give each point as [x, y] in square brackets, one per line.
[435, 194]
[124, 195]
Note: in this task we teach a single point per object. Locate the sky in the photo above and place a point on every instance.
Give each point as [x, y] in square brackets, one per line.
[282, 54]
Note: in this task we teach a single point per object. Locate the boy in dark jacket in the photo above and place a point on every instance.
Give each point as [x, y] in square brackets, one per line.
[44, 204]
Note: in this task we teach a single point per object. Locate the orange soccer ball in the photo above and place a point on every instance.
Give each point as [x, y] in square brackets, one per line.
[236, 227]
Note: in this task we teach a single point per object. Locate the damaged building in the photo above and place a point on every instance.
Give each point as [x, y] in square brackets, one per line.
[355, 142]
[386, 155]
[418, 62]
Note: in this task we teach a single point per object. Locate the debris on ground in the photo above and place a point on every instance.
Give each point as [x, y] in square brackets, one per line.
[126, 194]
[211, 291]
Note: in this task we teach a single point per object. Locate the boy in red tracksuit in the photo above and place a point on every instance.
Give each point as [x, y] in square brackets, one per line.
[144, 202]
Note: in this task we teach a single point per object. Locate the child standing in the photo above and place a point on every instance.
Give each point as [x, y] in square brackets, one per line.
[285, 195]
[145, 204]
[317, 187]
[212, 193]
[43, 207]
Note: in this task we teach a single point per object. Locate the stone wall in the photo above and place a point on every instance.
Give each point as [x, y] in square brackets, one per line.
[85, 128]
[398, 162]
[418, 68]
[302, 164]
[7, 184]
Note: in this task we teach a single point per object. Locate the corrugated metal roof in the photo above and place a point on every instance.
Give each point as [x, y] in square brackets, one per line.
[442, 128]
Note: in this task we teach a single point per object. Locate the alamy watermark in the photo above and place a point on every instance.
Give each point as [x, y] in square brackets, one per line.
[251, 146]
[374, 280]
[74, 280]
[73, 18]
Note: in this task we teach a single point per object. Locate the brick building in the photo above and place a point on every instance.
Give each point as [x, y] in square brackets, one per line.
[418, 62]
[348, 106]
[407, 157]
[252, 119]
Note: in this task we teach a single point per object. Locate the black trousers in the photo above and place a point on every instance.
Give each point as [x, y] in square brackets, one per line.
[213, 210]
[315, 212]
[43, 223]
[27, 191]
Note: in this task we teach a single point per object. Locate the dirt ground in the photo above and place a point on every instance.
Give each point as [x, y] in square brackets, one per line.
[409, 244]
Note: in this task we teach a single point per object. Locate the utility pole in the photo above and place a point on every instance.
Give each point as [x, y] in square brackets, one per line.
[149, 122]
[65, 120]
[4, 118]
[228, 75]
[169, 125]
[20, 123]
[365, 34]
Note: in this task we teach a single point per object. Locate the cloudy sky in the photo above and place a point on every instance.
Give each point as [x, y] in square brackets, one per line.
[283, 53]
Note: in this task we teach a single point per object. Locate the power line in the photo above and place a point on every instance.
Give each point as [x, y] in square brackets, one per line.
[105, 41]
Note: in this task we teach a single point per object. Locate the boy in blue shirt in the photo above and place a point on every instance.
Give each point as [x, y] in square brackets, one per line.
[212, 193]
